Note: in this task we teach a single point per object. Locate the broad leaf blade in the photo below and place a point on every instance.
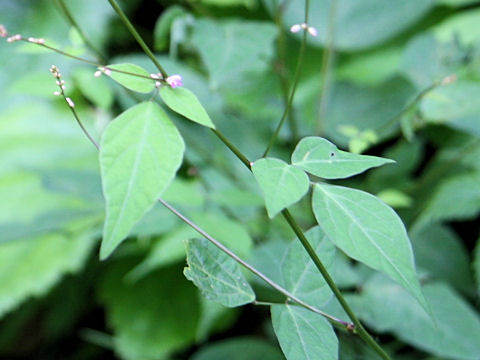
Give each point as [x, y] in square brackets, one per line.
[139, 84]
[387, 307]
[321, 158]
[216, 274]
[369, 231]
[185, 103]
[140, 153]
[281, 184]
[302, 334]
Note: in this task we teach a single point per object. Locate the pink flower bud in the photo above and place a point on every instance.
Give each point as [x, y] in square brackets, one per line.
[175, 81]
[3, 31]
[70, 102]
[296, 28]
[312, 31]
[97, 73]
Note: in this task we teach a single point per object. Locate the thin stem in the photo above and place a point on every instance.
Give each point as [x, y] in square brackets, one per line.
[137, 37]
[87, 61]
[296, 77]
[233, 148]
[336, 291]
[326, 64]
[246, 265]
[73, 23]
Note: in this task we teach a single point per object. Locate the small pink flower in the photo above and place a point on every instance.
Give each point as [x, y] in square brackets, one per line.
[3, 31]
[313, 31]
[175, 81]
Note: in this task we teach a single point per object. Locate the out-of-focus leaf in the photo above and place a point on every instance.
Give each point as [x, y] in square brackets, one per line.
[31, 267]
[282, 184]
[163, 25]
[455, 105]
[140, 153]
[239, 348]
[144, 84]
[303, 334]
[321, 158]
[227, 51]
[214, 317]
[440, 252]
[463, 26]
[216, 274]
[184, 102]
[476, 265]
[152, 317]
[358, 25]
[94, 89]
[369, 231]
[456, 198]
[388, 308]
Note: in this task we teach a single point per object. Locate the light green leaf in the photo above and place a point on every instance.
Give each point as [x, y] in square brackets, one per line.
[216, 274]
[456, 198]
[358, 24]
[184, 102]
[227, 51]
[463, 26]
[369, 231]
[302, 334]
[282, 184]
[455, 105]
[139, 84]
[387, 307]
[153, 317]
[140, 153]
[31, 267]
[321, 158]
[96, 90]
[239, 348]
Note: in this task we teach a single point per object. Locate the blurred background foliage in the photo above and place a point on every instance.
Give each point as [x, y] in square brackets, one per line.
[399, 79]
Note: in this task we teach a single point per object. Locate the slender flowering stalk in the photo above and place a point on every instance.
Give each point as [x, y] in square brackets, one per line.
[61, 84]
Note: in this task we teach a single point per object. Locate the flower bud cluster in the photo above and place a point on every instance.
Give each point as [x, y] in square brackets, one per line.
[297, 27]
[102, 70]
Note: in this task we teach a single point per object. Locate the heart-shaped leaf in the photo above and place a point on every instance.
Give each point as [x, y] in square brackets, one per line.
[140, 153]
[281, 184]
[368, 230]
[321, 158]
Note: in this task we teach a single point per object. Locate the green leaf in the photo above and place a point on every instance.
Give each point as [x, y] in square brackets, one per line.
[227, 51]
[143, 84]
[463, 26]
[456, 198]
[439, 251]
[302, 334]
[386, 307]
[96, 90]
[184, 102]
[216, 274]
[358, 24]
[153, 317]
[454, 105]
[140, 153]
[369, 231]
[321, 158]
[31, 267]
[239, 348]
[282, 184]
[163, 25]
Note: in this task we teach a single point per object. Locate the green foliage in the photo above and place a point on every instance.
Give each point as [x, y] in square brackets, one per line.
[321, 158]
[216, 274]
[369, 231]
[184, 102]
[282, 184]
[140, 153]
[138, 84]
[303, 334]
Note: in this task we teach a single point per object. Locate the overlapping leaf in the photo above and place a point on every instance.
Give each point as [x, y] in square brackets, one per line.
[140, 153]
[142, 83]
[369, 231]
